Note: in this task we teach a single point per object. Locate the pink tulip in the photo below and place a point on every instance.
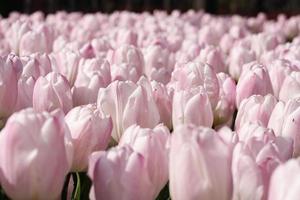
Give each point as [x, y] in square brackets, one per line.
[199, 152]
[237, 58]
[157, 59]
[52, 92]
[15, 33]
[125, 36]
[9, 86]
[36, 65]
[90, 131]
[128, 103]
[278, 71]
[124, 72]
[93, 74]
[212, 56]
[250, 82]
[255, 109]
[152, 144]
[25, 92]
[195, 74]
[163, 98]
[284, 120]
[285, 181]
[66, 63]
[191, 106]
[120, 173]
[253, 163]
[224, 110]
[264, 42]
[290, 87]
[30, 143]
[130, 55]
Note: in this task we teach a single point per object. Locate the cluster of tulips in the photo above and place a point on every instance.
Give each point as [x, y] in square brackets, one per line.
[128, 106]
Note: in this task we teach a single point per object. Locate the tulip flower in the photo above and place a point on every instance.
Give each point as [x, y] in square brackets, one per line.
[115, 173]
[25, 92]
[285, 181]
[255, 109]
[199, 152]
[284, 120]
[195, 74]
[52, 92]
[93, 74]
[191, 106]
[253, 163]
[30, 143]
[290, 87]
[90, 131]
[9, 86]
[250, 82]
[124, 72]
[224, 110]
[128, 103]
[152, 144]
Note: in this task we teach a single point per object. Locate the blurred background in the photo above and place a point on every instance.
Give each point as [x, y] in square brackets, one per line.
[243, 7]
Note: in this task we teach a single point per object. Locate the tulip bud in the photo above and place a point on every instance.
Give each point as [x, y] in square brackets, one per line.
[191, 106]
[152, 144]
[124, 72]
[90, 131]
[199, 152]
[9, 87]
[25, 92]
[93, 74]
[66, 63]
[115, 173]
[195, 74]
[30, 143]
[224, 110]
[253, 163]
[212, 56]
[250, 82]
[128, 54]
[285, 181]
[237, 58]
[33, 42]
[255, 109]
[52, 92]
[128, 104]
[290, 87]
[36, 65]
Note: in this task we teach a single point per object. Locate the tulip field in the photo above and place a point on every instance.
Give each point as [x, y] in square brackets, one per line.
[149, 106]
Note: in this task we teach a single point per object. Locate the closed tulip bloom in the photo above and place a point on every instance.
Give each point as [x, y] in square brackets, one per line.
[115, 173]
[157, 60]
[255, 109]
[224, 110]
[128, 54]
[25, 92]
[152, 144]
[191, 106]
[8, 87]
[250, 82]
[237, 58]
[30, 143]
[285, 181]
[128, 103]
[212, 56]
[290, 87]
[66, 63]
[36, 65]
[195, 74]
[199, 152]
[52, 92]
[278, 71]
[125, 36]
[15, 33]
[90, 131]
[93, 74]
[253, 163]
[163, 98]
[124, 72]
[285, 119]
